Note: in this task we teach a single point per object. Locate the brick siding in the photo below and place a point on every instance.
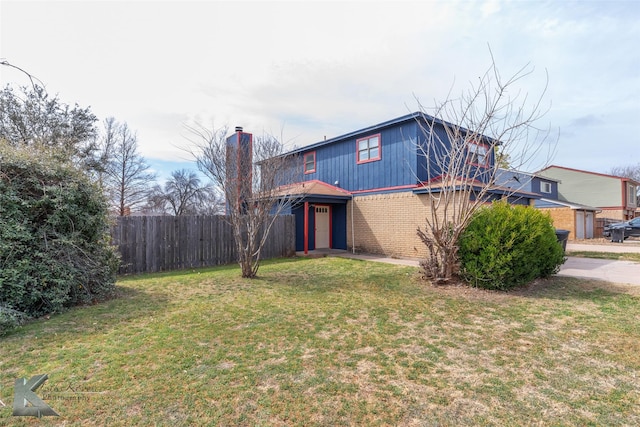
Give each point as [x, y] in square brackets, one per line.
[563, 219]
[619, 214]
[387, 224]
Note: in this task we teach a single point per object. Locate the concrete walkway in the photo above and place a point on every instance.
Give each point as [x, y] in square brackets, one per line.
[589, 268]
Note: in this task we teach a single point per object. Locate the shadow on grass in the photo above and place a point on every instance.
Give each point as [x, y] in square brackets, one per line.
[565, 288]
[203, 270]
[146, 295]
[128, 304]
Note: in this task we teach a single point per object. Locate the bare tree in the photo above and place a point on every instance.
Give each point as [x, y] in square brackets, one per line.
[487, 124]
[630, 172]
[183, 194]
[253, 183]
[103, 153]
[123, 172]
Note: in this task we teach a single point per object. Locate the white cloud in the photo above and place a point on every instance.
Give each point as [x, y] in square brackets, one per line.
[324, 68]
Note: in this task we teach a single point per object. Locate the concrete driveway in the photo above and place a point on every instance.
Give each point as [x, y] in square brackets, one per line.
[603, 269]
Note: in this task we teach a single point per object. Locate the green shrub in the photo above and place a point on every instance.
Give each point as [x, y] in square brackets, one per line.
[506, 246]
[9, 319]
[54, 241]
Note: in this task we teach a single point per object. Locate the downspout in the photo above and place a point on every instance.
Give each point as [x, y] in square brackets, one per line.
[353, 232]
[306, 228]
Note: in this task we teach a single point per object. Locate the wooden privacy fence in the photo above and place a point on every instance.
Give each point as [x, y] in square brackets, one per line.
[149, 244]
[601, 223]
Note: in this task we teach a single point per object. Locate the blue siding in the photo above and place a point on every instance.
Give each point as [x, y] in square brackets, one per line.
[536, 188]
[298, 211]
[511, 199]
[401, 163]
[337, 161]
[299, 214]
[312, 227]
[339, 226]
[430, 169]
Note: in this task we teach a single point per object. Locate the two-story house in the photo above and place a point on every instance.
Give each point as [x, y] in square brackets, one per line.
[368, 190]
[578, 219]
[616, 197]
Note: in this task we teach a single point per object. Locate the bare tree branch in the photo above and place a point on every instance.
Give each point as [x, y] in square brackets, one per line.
[29, 75]
[252, 183]
[461, 139]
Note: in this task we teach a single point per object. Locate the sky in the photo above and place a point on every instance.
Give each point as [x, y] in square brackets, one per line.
[303, 70]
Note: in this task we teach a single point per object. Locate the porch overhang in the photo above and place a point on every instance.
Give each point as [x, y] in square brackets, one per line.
[309, 193]
[314, 192]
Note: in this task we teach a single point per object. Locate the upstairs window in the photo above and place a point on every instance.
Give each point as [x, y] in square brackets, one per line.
[545, 187]
[309, 160]
[368, 149]
[478, 154]
[631, 195]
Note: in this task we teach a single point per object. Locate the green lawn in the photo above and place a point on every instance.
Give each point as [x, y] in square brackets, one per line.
[332, 341]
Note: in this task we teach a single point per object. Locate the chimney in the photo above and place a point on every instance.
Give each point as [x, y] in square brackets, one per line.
[239, 163]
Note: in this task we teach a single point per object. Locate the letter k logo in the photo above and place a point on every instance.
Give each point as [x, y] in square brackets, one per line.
[24, 394]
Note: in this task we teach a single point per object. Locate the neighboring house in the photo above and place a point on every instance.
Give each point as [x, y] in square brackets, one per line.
[579, 220]
[366, 190]
[545, 187]
[614, 196]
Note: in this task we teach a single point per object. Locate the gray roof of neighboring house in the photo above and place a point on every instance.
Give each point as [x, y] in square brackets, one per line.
[504, 175]
[540, 173]
[549, 203]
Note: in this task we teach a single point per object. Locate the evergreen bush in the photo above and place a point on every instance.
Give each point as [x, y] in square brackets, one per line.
[55, 250]
[505, 246]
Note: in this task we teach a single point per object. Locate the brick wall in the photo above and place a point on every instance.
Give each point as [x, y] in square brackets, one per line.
[618, 214]
[387, 223]
[564, 219]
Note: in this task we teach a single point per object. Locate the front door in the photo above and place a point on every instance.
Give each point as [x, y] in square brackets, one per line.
[323, 227]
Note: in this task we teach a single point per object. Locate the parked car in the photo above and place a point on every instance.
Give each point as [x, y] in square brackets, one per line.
[622, 230]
